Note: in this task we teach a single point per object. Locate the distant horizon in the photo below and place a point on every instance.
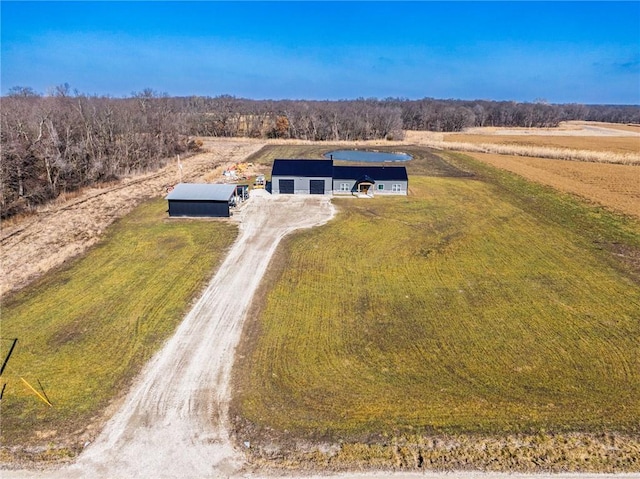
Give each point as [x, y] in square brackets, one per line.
[576, 52]
[160, 94]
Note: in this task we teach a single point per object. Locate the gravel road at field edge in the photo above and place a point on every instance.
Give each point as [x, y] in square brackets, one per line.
[173, 423]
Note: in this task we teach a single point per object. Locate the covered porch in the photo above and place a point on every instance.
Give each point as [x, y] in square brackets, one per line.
[363, 187]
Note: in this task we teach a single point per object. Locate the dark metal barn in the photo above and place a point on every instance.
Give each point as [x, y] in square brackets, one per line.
[201, 200]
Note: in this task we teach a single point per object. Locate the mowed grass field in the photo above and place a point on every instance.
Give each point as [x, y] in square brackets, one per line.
[86, 329]
[481, 306]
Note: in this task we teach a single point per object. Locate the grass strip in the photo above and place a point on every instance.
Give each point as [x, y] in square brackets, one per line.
[86, 329]
[615, 234]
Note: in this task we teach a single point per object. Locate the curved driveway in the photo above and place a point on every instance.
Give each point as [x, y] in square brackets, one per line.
[173, 423]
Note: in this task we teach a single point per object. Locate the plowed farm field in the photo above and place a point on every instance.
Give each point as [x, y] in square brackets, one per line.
[611, 185]
[596, 161]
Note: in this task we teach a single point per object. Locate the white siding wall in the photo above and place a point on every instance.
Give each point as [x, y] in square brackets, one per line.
[400, 187]
[301, 184]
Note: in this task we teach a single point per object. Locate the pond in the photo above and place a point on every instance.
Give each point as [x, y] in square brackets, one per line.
[366, 156]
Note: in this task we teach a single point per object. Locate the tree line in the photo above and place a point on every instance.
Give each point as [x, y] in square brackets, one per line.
[66, 140]
[366, 119]
[60, 143]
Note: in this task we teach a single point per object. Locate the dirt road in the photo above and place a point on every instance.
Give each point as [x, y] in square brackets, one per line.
[173, 423]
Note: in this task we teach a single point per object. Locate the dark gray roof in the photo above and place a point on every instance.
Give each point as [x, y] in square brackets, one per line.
[364, 179]
[378, 173]
[202, 191]
[315, 168]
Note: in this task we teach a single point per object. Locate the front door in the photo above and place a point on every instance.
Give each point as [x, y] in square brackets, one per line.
[364, 188]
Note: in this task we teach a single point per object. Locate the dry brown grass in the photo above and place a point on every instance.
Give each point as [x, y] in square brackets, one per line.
[613, 126]
[575, 141]
[432, 141]
[541, 453]
[565, 128]
[614, 186]
[33, 244]
[615, 144]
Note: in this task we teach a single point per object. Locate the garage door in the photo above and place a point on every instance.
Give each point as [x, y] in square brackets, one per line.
[286, 186]
[316, 187]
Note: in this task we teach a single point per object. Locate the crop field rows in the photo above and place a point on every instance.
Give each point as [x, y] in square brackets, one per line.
[615, 186]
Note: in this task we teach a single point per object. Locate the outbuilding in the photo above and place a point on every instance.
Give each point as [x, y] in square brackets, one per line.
[201, 200]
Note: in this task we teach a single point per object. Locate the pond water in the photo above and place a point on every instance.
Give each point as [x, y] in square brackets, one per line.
[366, 156]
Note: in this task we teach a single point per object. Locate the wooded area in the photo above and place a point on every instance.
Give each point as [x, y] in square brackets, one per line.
[60, 143]
[66, 140]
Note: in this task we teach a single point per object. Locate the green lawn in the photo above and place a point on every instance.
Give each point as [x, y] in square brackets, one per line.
[467, 307]
[478, 306]
[85, 330]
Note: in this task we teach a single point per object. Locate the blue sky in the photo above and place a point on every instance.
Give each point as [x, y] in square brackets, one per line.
[562, 52]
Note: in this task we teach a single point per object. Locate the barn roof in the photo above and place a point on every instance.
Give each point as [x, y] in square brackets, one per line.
[378, 173]
[202, 191]
[317, 168]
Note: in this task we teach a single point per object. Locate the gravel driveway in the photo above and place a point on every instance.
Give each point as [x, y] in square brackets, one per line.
[173, 424]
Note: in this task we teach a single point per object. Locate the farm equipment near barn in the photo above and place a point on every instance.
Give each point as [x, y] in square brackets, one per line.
[259, 182]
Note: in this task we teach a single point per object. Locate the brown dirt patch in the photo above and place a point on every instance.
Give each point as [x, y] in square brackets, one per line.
[613, 186]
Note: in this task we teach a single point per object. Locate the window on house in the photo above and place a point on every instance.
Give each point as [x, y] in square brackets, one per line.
[381, 187]
[344, 187]
[397, 187]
